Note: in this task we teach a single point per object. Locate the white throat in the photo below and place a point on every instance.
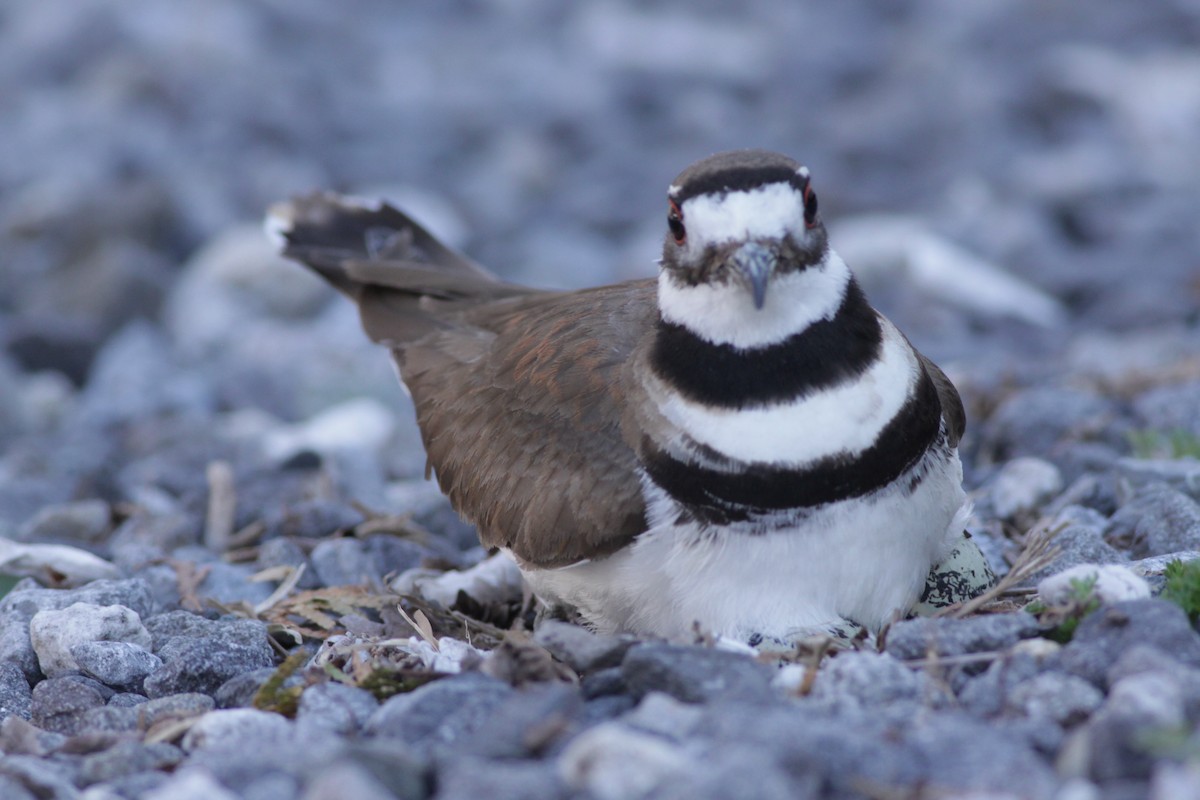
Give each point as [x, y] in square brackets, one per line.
[725, 313]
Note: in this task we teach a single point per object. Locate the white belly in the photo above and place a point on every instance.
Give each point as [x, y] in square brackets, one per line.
[864, 559]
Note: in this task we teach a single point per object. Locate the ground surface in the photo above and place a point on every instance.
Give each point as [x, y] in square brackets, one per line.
[1015, 182]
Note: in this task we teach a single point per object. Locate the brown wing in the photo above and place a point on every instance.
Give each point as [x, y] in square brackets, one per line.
[518, 392]
[519, 404]
[952, 406]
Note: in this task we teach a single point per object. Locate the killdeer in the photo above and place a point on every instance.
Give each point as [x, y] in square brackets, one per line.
[743, 443]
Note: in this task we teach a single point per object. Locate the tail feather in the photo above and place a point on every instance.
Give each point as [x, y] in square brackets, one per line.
[350, 241]
[381, 259]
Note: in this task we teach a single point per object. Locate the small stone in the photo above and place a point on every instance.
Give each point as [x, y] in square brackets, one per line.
[1104, 635]
[1136, 706]
[177, 706]
[19, 606]
[527, 723]
[1032, 421]
[122, 665]
[15, 694]
[127, 699]
[613, 761]
[126, 758]
[1111, 583]
[695, 674]
[603, 683]
[1156, 520]
[283, 552]
[986, 695]
[203, 665]
[343, 780]
[917, 638]
[58, 704]
[579, 648]
[1079, 538]
[240, 690]
[237, 729]
[191, 784]
[54, 633]
[199, 655]
[352, 562]
[1022, 485]
[18, 737]
[663, 715]
[313, 519]
[874, 680]
[439, 714]
[471, 778]
[1063, 699]
[84, 523]
[335, 707]
[109, 719]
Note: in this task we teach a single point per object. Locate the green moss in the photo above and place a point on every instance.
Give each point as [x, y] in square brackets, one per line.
[274, 696]
[1177, 443]
[1183, 586]
[1062, 620]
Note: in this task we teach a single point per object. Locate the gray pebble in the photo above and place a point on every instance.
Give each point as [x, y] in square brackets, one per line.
[695, 674]
[1155, 521]
[917, 638]
[240, 690]
[439, 714]
[109, 719]
[238, 730]
[986, 695]
[1032, 421]
[126, 758]
[352, 562]
[121, 665]
[1065, 700]
[15, 694]
[176, 706]
[1105, 634]
[124, 699]
[1079, 537]
[342, 780]
[83, 523]
[313, 519]
[875, 680]
[1136, 707]
[58, 704]
[55, 633]
[526, 724]
[335, 707]
[203, 664]
[579, 648]
[20, 605]
[470, 778]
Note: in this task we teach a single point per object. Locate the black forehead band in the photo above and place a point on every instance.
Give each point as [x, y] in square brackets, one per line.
[739, 179]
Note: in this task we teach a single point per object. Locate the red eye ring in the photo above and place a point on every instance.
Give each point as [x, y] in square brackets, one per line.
[675, 223]
[810, 207]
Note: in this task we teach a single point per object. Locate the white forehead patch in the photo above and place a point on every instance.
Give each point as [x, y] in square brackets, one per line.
[765, 212]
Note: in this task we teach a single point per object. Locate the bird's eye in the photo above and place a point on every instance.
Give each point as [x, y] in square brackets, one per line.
[810, 206]
[675, 223]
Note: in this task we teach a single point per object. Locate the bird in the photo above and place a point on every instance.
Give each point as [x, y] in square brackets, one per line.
[741, 445]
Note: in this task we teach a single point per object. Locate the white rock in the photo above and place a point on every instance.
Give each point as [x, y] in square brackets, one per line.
[237, 276]
[902, 246]
[54, 633]
[1022, 485]
[361, 423]
[493, 580]
[1114, 583]
[191, 783]
[616, 762]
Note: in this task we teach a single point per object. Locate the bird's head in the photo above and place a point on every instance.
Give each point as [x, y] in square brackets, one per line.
[745, 217]
[744, 240]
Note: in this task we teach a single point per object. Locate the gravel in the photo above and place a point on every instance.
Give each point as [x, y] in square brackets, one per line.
[165, 643]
